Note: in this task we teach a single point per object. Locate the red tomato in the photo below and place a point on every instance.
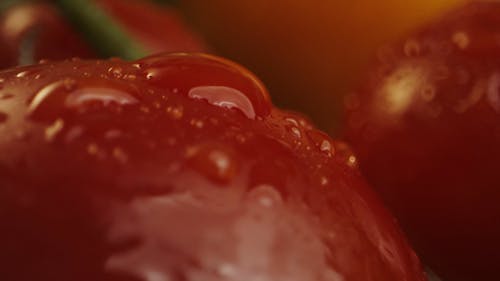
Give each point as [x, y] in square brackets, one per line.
[426, 126]
[178, 167]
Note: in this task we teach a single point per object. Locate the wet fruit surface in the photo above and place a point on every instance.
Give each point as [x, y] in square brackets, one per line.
[426, 127]
[178, 168]
[40, 31]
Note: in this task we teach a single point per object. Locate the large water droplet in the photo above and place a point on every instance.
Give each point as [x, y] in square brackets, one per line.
[216, 80]
[40, 96]
[55, 98]
[216, 162]
[104, 95]
[224, 97]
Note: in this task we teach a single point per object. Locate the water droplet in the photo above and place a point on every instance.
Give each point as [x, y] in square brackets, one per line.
[218, 81]
[398, 91]
[296, 132]
[117, 72]
[197, 123]
[176, 112]
[42, 95]
[224, 97]
[326, 147]
[216, 162]
[92, 149]
[104, 95]
[59, 96]
[344, 154]
[265, 195]
[23, 74]
[241, 138]
[352, 161]
[53, 130]
[293, 121]
[321, 141]
[130, 77]
[120, 155]
[324, 181]
[461, 39]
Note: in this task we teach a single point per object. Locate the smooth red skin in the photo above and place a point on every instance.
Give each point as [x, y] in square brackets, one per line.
[436, 162]
[103, 191]
[158, 29]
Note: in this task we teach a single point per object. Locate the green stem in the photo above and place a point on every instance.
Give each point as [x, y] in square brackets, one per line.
[107, 37]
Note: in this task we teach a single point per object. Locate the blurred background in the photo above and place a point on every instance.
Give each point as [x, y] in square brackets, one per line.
[309, 53]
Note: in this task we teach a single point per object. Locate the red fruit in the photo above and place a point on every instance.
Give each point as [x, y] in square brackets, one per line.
[177, 167]
[158, 29]
[425, 125]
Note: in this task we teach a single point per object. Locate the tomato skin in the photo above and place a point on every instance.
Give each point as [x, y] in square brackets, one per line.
[157, 29]
[425, 125]
[179, 166]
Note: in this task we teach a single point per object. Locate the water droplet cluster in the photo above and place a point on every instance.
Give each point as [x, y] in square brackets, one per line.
[177, 167]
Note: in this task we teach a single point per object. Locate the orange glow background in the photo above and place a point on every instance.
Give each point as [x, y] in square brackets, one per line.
[309, 53]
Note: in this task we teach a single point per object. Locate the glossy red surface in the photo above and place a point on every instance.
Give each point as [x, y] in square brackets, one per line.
[158, 29]
[426, 127]
[111, 173]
